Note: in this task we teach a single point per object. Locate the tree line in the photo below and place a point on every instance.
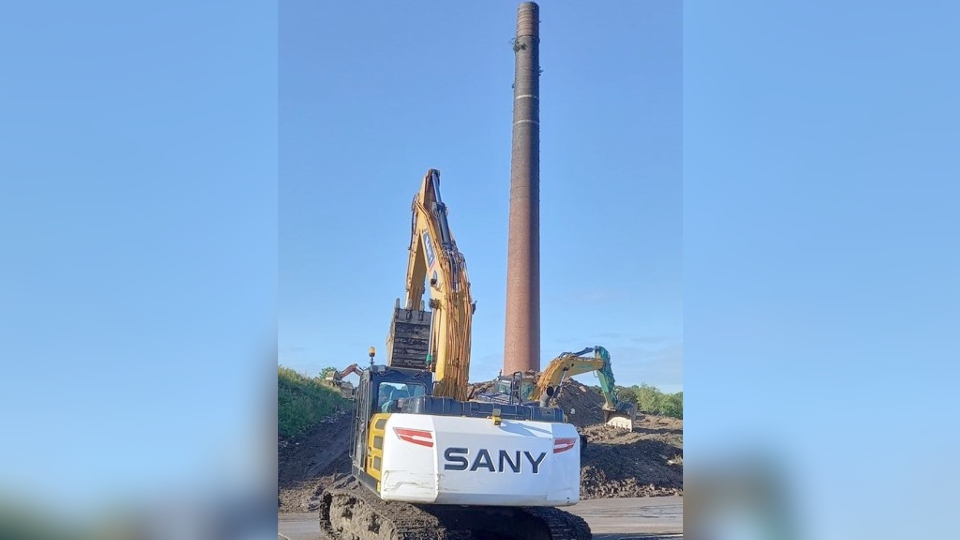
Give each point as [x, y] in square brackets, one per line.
[650, 400]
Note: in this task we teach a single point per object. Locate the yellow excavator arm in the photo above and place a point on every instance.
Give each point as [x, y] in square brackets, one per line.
[568, 365]
[439, 339]
[616, 412]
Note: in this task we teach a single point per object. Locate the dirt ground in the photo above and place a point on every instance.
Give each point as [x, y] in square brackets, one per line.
[306, 465]
[645, 462]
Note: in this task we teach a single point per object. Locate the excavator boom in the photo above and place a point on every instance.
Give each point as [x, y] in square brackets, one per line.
[437, 339]
[572, 364]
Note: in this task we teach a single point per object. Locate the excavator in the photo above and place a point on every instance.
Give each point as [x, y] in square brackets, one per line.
[334, 379]
[527, 388]
[427, 463]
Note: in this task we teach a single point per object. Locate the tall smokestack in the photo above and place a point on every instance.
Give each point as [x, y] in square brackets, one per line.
[522, 343]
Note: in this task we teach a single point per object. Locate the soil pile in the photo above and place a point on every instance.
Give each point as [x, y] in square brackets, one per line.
[479, 388]
[582, 405]
[308, 464]
[645, 463]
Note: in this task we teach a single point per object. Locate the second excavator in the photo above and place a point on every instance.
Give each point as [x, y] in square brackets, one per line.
[335, 379]
[545, 389]
[427, 463]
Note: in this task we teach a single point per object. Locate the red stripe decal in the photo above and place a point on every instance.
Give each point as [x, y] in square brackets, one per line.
[562, 445]
[415, 436]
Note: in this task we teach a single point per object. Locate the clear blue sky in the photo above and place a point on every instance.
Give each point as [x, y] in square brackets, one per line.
[822, 301]
[371, 96]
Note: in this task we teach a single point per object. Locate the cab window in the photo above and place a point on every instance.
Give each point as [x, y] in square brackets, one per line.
[390, 392]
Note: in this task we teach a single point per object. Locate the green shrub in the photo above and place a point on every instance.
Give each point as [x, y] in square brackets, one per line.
[650, 400]
[628, 394]
[303, 402]
[673, 405]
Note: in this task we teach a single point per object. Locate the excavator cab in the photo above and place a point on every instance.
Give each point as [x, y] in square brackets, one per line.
[513, 389]
[381, 390]
[504, 386]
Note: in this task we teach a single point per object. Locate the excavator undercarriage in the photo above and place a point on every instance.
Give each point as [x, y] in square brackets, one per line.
[355, 513]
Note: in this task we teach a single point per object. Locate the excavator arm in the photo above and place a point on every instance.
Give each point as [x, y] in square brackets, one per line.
[563, 366]
[352, 368]
[438, 339]
[335, 379]
[573, 364]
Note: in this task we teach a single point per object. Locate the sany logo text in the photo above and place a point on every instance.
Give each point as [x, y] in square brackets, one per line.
[457, 460]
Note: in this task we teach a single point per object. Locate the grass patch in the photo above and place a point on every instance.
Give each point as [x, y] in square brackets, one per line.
[303, 402]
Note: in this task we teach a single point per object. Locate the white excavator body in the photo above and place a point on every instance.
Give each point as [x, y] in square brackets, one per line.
[475, 461]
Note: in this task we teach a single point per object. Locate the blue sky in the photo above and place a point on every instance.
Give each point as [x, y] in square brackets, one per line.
[371, 96]
[821, 256]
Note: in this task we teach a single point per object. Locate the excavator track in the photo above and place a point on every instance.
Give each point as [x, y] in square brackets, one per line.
[356, 513]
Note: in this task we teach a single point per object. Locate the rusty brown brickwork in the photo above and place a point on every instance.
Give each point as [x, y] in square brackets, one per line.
[522, 338]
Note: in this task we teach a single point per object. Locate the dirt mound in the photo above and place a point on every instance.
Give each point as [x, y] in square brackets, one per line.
[307, 464]
[479, 388]
[582, 405]
[645, 462]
